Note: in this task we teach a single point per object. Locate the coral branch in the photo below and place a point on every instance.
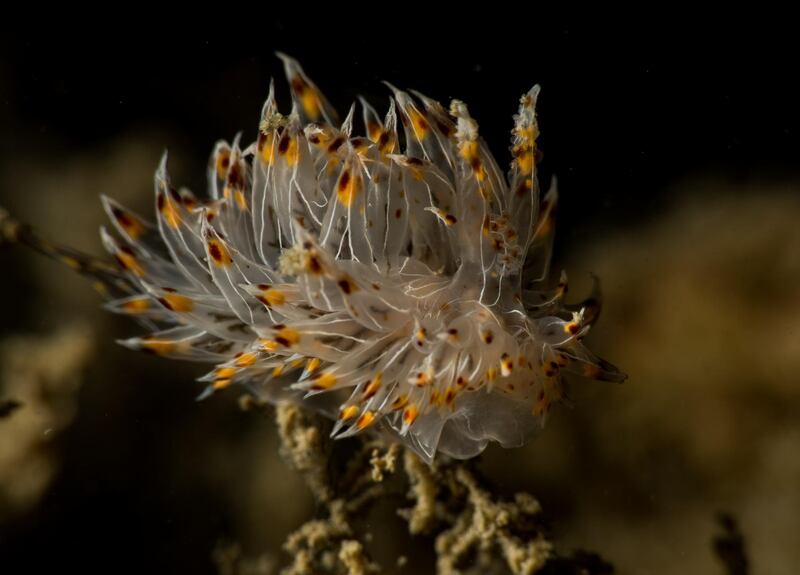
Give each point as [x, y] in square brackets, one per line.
[472, 529]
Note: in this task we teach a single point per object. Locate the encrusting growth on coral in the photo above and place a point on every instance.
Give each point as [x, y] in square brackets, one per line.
[421, 516]
[487, 528]
[302, 445]
[472, 530]
[352, 556]
[323, 545]
[385, 461]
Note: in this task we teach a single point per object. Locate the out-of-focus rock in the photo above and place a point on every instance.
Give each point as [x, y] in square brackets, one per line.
[42, 374]
[702, 309]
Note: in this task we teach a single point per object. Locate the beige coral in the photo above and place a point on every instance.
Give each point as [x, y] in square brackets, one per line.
[473, 528]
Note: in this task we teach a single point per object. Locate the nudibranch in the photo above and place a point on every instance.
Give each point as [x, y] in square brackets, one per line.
[396, 281]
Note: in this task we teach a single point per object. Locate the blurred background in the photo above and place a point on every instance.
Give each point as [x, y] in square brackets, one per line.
[677, 159]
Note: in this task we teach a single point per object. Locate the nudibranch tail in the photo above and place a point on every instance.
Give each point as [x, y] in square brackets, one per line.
[396, 280]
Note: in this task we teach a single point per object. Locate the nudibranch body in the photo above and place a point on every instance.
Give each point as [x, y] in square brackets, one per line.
[395, 281]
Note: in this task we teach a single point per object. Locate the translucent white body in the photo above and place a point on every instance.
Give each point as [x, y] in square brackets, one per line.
[395, 281]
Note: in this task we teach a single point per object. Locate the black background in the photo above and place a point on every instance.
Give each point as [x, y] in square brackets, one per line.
[627, 108]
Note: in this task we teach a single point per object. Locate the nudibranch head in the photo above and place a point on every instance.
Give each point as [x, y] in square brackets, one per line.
[396, 281]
